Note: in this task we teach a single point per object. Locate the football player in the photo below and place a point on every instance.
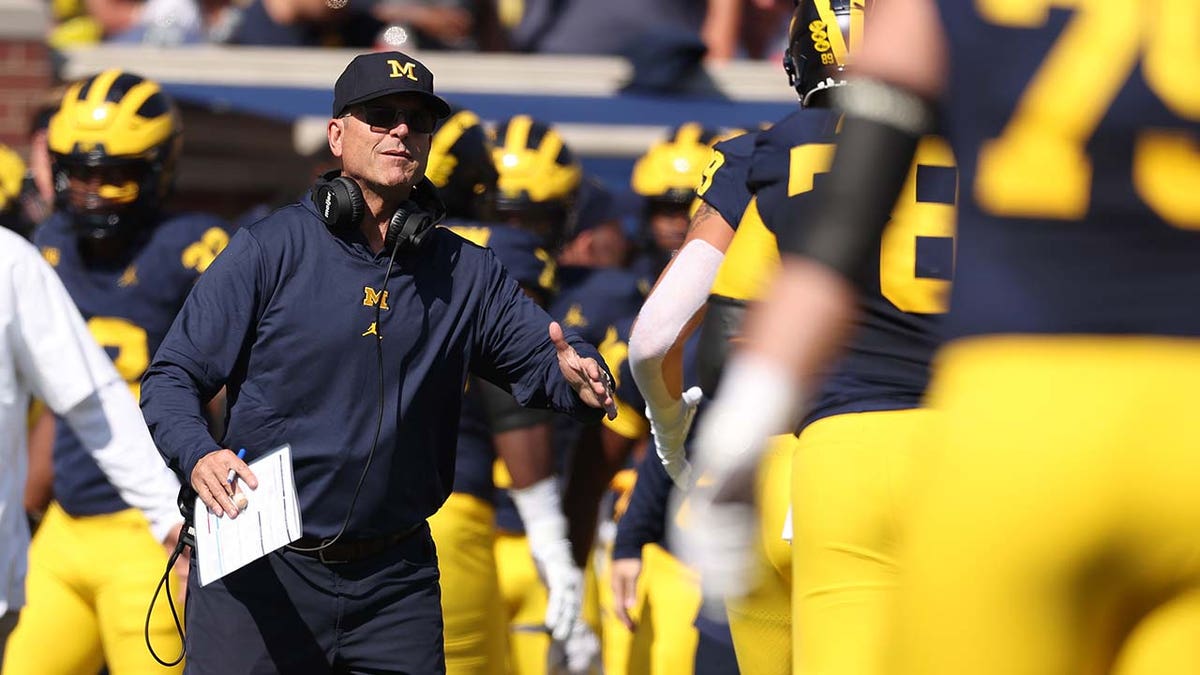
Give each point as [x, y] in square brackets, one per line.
[665, 177]
[1056, 504]
[128, 264]
[539, 584]
[850, 463]
[541, 186]
[655, 625]
[495, 431]
[539, 178]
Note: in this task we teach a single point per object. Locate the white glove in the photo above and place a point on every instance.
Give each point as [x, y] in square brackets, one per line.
[546, 530]
[579, 654]
[564, 586]
[670, 431]
[755, 403]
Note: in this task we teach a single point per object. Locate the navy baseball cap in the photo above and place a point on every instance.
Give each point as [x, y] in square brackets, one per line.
[378, 74]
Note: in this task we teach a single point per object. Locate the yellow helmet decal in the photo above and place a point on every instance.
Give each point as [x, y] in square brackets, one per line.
[441, 163]
[91, 121]
[675, 165]
[833, 33]
[534, 171]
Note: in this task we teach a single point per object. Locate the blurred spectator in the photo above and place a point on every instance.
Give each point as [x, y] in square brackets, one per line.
[755, 29]
[446, 24]
[608, 27]
[159, 22]
[724, 29]
[424, 24]
[669, 64]
[301, 23]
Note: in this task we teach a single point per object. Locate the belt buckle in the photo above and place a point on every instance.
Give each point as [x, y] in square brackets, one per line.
[325, 559]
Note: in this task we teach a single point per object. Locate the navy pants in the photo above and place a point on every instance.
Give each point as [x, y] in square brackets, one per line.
[294, 615]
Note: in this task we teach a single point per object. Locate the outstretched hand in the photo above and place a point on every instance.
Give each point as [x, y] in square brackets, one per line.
[586, 377]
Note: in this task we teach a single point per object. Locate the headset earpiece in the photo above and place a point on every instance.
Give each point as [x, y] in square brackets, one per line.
[339, 201]
[409, 227]
[340, 204]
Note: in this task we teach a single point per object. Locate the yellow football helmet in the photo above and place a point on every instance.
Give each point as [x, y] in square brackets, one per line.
[670, 170]
[460, 166]
[539, 176]
[113, 142]
[12, 178]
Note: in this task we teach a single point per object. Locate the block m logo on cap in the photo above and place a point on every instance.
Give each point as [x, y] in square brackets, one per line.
[407, 70]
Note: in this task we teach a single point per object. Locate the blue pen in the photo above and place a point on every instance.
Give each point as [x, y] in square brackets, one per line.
[232, 473]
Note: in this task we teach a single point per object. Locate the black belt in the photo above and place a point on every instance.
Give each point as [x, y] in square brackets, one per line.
[350, 550]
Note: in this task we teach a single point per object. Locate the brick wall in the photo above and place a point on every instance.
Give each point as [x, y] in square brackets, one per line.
[24, 78]
[24, 67]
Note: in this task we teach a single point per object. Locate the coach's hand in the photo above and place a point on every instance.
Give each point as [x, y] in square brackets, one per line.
[210, 480]
[586, 377]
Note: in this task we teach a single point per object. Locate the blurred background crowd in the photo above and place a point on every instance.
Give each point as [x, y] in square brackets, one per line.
[615, 77]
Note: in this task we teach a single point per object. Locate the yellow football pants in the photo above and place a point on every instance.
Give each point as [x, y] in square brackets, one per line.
[1058, 507]
[524, 597]
[1167, 642]
[475, 632]
[850, 480]
[761, 623]
[624, 651]
[672, 601]
[89, 585]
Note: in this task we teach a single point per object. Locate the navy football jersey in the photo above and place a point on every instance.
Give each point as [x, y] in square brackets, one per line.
[906, 286]
[590, 299]
[128, 304]
[1077, 133]
[723, 184]
[475, 470]
[519, 250]
[531, 266]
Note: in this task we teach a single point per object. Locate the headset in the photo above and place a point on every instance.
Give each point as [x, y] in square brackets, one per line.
[339, 201]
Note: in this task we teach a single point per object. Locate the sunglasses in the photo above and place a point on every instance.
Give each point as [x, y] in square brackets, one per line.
[419, 121]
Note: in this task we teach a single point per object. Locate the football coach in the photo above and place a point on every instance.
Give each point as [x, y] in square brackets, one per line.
[346, 325]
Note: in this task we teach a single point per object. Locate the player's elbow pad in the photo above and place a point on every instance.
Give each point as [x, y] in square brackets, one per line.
[875, 149]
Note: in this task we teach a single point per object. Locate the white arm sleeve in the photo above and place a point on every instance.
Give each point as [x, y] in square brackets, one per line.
[64, 366]
[679, 295]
